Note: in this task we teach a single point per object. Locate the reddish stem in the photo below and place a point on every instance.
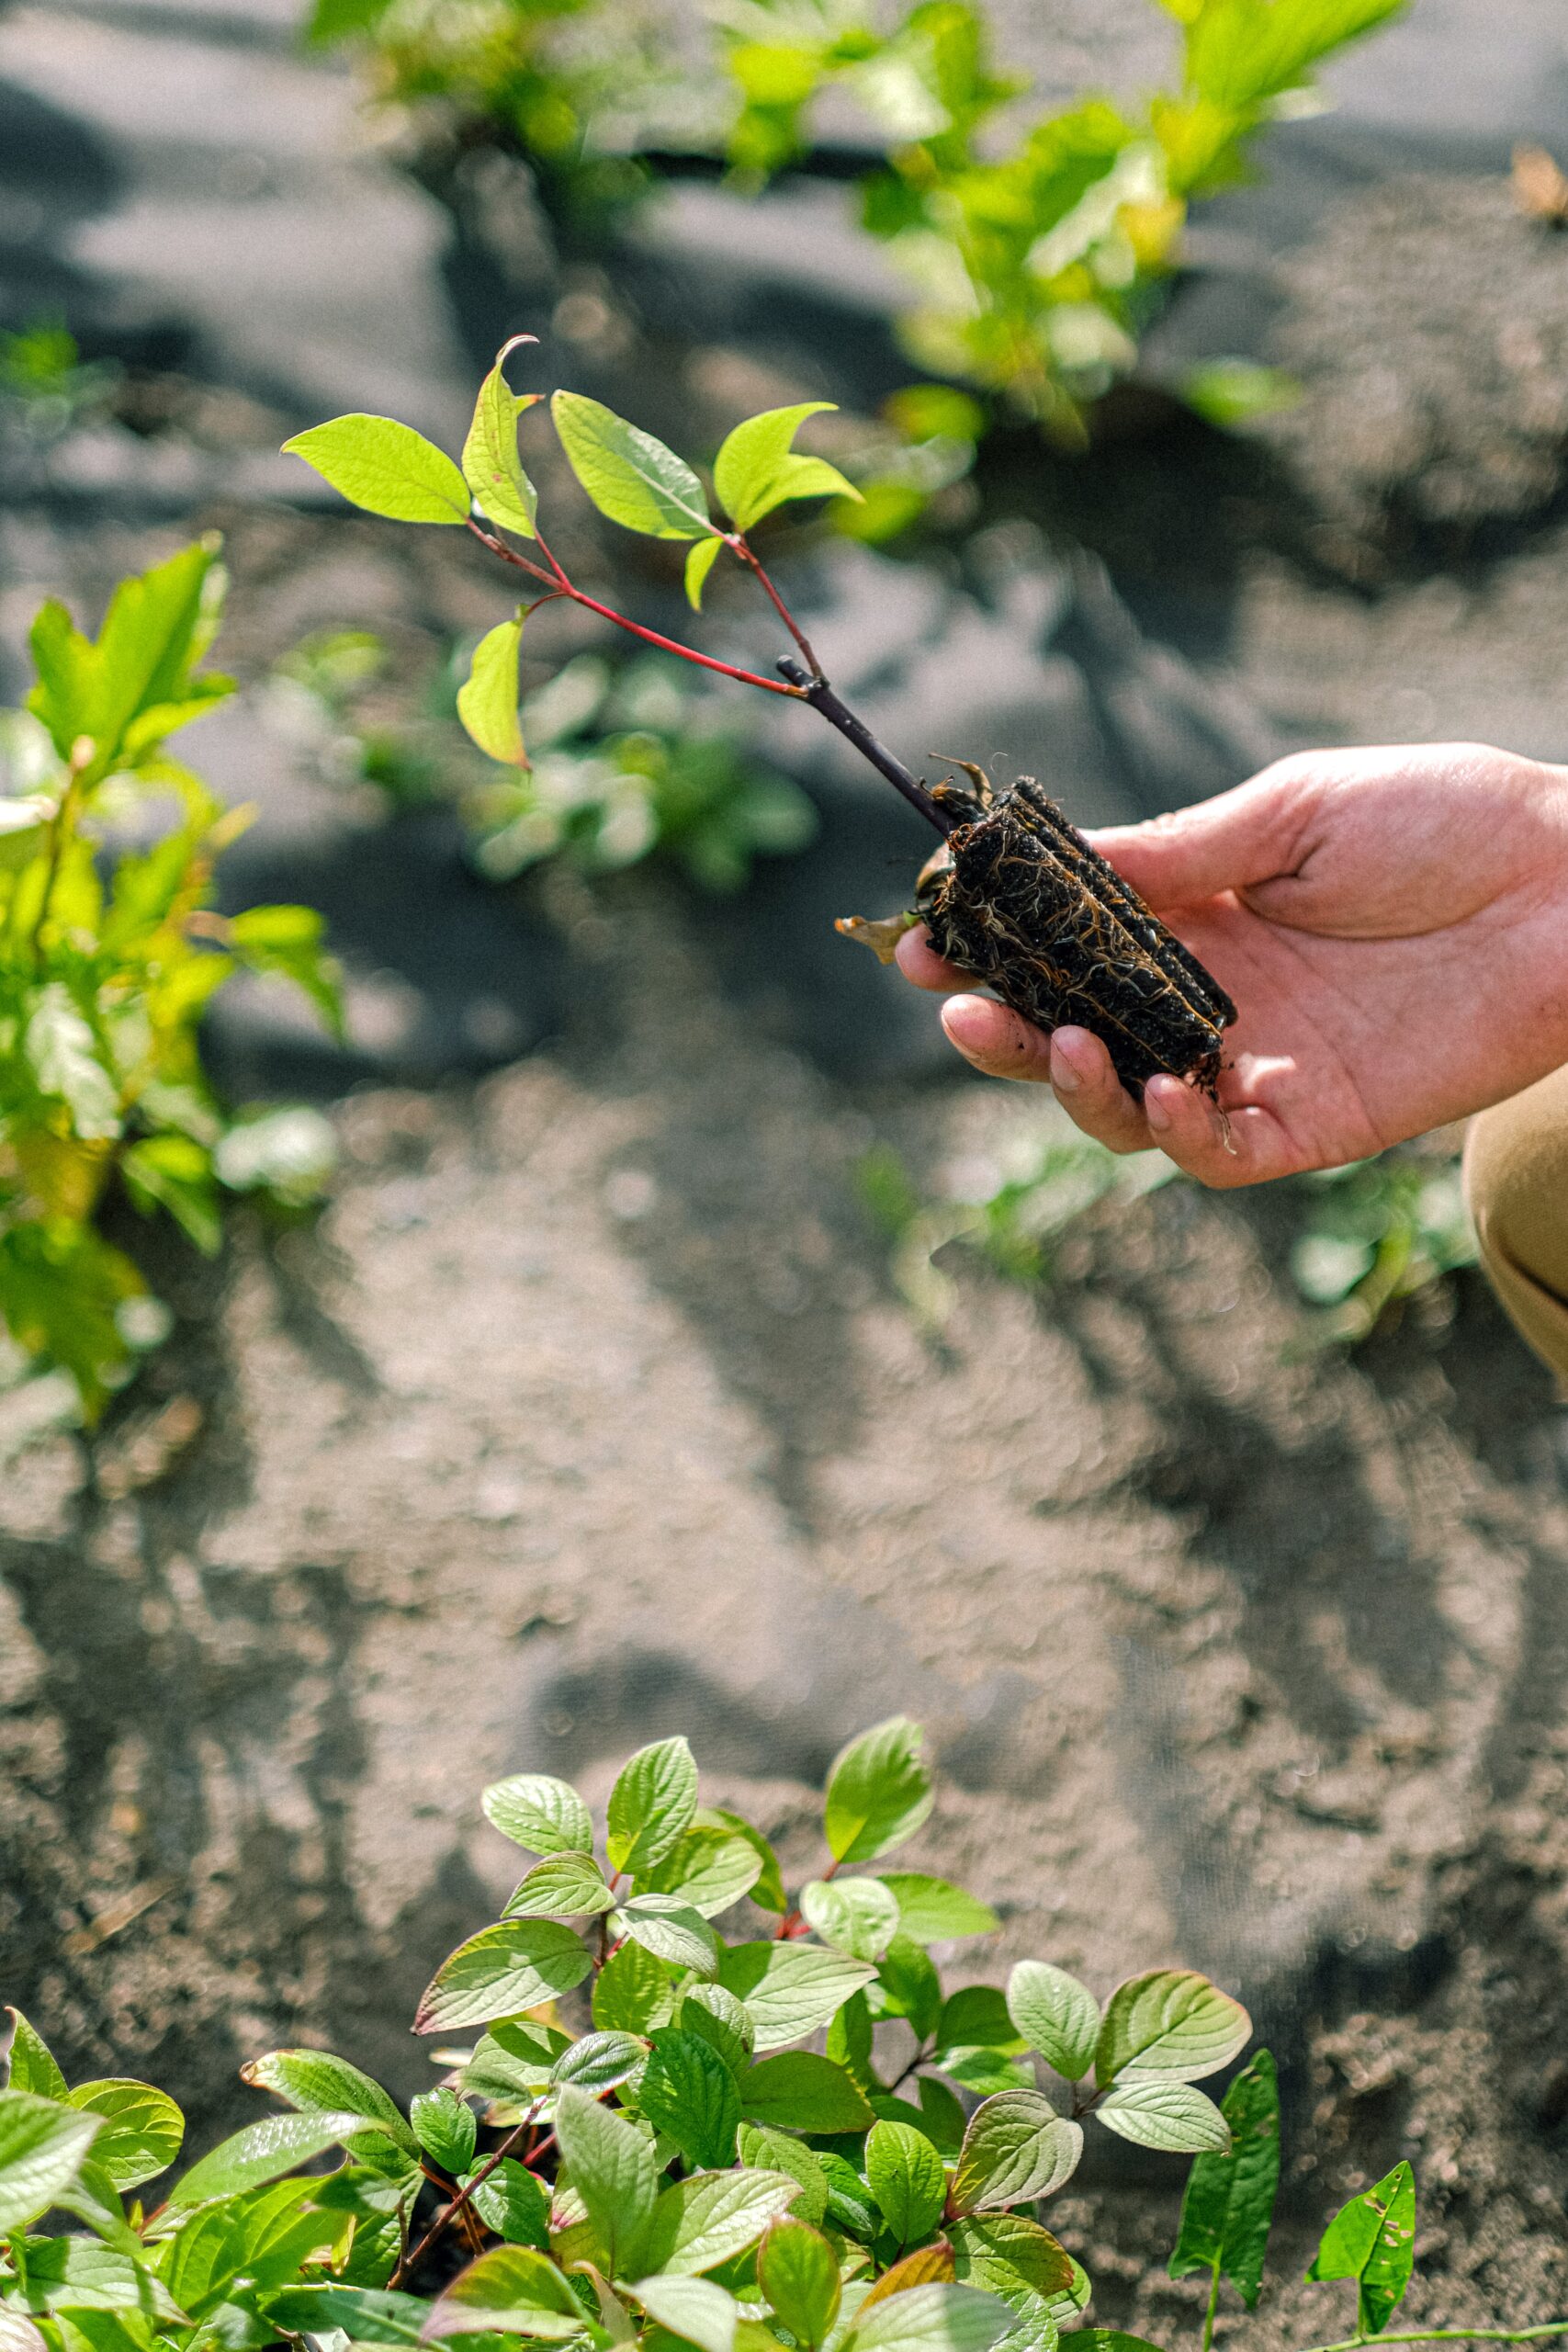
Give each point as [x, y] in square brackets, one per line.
[743, 550]
[559, 584]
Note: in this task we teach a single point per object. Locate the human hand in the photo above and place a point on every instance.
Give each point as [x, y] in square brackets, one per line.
[1394, 927]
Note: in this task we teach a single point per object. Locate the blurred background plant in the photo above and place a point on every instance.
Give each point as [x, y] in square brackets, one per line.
[46, 387]
[1037, 251]
[109, 950]
[1363, 1239]
[628, 763]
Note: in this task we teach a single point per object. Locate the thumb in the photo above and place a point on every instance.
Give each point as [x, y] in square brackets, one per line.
[1258, 832]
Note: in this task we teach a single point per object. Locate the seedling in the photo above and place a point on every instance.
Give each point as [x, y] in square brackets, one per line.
[639, 2140]
[1016, 894]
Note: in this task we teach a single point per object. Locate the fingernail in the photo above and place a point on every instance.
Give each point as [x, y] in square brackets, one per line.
[1064, 1077]
[1156, 1112]
[967, 1021]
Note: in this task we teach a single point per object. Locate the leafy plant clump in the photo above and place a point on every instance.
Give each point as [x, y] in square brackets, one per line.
[625, 766]
[1036, 253]
[635, 2144]
[109, 950]
[1016, 889]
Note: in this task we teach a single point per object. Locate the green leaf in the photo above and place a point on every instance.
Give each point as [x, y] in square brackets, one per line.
[693, 2309]
[798, 2272]
[1239, 54]
[708, 1867]
[487, 700]
[512, 2289]
[1171, 2021]
[1055, 2015]
[789, 1989]
[1004, 2251]
[515, 2204]
[1372, 2241]
[445, 2129]
[630, 477]
[907, 2179]
[654, 1797]
[32, 2067]
[364, 2314]
[699, 564]
[545, 1814]
[1017, 2148]
[64, 1052]
[491, 467]
[931, 1911]
[976, 2016]
[634, 1992]
[804, 2093]
[1159, 2113]
[287, 940]
[560, 1886]
[936, 2318]
[501, 1972]
[41, 2148]
[850, 2205]
[690, 2094]
[768, 1893]
[515, 2060]
[262, 2151]
[908, 1985]
[942, 2115]
[613, 2169]
[765, 2150]
[721, 2021]
[142, 2130]
[597, 2062]
[711, 2217]
[76, 2274]
[94, 2198]
[878, 1791]
[1229, 2203]
[172, 1173]
[1110, 2339]
[386, 468]
[859, 1916]
[756, 469]
[670, 1929]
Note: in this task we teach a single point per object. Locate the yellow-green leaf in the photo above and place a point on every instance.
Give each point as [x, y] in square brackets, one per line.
[386, 468]
[756, 469]
[487, 701]
[699, 564]
[630, 477]
[491, 467]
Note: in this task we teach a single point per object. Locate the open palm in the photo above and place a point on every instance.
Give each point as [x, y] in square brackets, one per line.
[1394, 927]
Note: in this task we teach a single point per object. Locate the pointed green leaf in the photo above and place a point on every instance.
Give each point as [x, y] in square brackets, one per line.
[364, 2314]
[597, 2062]
[790, 1989]
[803, 2092]
[491, 467]
[635, 1992]
[721, 2021]
[545, 1815]
[708, 1867]
[699, 564]
[1229, 2203]
[936, 2318]
[630, 477]
[560, 1886]
[1372, 2241]
[1171, 2021]
[64, 1056]
[41, 2148]
[764, 2150]
[487, 700]
[32, 2067]
[908, 1985]
[707, 2218]
[142, 2130]
[613, 2169]
[1017, 2148]
[502, 1972]
[651, 1804]
[513, 2289]
[688, 2093]
[670, 1929]
[1055, 2015]
[262, 2151]
[798, 2272]
[756, 469]
[907, 2179]
[1006, 2253]
[386, 468]
[445, 2129]
[879, 1791]
[695, 2309]
[515, 2204]
[931, 1911]
[768, 1893]
[859, 1916]
[1158, 2113]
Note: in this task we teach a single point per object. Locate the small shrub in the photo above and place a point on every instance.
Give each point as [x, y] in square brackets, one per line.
[109, 950]
[786, 2139]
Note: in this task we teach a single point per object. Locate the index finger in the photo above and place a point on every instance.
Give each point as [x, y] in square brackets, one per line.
[918, 962]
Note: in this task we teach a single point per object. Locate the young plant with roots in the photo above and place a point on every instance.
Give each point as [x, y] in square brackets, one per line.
[1015, 894]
